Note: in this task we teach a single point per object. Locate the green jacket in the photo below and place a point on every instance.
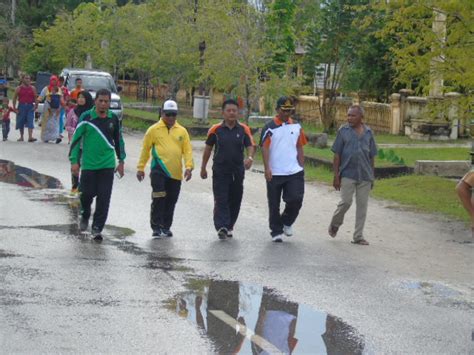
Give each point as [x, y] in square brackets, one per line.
[100, 140]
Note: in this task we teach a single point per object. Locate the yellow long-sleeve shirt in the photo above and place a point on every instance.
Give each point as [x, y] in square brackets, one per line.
[168, 148]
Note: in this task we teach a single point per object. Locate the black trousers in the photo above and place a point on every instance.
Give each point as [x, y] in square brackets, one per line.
[164, 197]
[96, 183]
[292, 188]
[228, 189]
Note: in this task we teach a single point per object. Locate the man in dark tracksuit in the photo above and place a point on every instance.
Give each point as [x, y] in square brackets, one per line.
[99, 131]
[229, 139]
[282, 144]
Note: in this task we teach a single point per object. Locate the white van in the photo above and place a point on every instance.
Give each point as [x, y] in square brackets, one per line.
[93, 80]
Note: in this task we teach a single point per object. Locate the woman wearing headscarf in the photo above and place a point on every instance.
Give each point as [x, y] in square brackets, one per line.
[84, 103]
[53, 101]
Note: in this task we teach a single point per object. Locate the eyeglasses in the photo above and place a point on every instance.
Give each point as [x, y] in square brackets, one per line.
[171, 114]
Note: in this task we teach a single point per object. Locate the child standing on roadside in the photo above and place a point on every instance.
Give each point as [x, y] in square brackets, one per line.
[71, 119]
[5, 111]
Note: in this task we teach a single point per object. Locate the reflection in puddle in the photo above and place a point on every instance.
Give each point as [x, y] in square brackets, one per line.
[248, 319]
[19, 175]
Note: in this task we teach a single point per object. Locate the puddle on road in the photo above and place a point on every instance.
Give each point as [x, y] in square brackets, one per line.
[19, 175]
[439, 294]
[249, 319]
[49, 189]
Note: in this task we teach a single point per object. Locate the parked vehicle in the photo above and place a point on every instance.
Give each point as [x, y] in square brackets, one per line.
[93, 80]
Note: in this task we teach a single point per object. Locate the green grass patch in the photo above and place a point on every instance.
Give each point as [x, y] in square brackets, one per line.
[135, 123]
[318, 173]
[425, 193]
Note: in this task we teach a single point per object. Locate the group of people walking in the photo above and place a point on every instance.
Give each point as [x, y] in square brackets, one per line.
[59, 107]
[98, 144]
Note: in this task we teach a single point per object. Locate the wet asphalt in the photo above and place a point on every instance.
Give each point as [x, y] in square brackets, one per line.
[410, 291]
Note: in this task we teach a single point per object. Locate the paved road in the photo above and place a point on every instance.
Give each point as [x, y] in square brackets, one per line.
[410, 291]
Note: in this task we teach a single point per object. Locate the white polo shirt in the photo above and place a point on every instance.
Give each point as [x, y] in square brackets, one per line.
[282, 139]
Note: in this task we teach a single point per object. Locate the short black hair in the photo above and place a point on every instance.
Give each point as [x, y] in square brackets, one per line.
[77, 79]
[229, 102]
[103, 92]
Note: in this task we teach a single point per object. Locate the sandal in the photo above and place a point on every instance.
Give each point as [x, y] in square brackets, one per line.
[32, 140]
[360, 242]
[333, 230]
[20, 140]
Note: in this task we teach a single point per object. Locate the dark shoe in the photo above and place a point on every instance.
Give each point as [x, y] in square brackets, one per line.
[83, 224]
[167, 233]
[333, 230]
[222, 233]
[96, 233]
[59, 140]
[32, 140]
[360, 242]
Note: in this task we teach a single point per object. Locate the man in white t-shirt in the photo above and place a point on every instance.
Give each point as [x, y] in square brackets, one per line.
[282, 144]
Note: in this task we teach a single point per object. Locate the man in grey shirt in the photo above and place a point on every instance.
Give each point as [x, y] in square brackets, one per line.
[354, 152]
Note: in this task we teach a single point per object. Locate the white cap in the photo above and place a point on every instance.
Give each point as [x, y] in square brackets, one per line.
[170, 106]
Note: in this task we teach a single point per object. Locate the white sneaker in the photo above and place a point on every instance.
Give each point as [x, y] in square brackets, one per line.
[278, 238]
[287, 230]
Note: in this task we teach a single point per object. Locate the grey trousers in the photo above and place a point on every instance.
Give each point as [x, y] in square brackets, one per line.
[361, 190]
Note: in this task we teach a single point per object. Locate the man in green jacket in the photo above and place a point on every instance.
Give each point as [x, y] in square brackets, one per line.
[100, 133]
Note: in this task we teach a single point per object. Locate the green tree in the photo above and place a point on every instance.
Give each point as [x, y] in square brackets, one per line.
[234, 55]
[331, 49]
[281, 39]
[68, 41]
[370, 72]
[418, 51]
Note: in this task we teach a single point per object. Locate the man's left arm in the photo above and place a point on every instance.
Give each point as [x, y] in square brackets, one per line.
[188, 157]
[36, 101]
[250, 146]
[373, 154]
[119, 145]
[299, 147]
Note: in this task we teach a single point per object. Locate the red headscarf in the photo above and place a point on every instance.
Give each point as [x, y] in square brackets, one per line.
[53, 81]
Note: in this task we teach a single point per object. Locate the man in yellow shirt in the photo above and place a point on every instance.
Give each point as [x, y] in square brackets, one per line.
[169, 144]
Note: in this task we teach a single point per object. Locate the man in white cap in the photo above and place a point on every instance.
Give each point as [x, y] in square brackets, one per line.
[169, 144]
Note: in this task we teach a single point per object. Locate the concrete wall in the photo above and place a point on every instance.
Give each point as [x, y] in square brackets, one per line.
[450, 168]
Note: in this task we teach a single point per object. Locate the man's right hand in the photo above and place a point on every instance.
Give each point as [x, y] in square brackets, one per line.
[203, 173]
[337, 182]
[268, 175]
[140, 175]
[75, 169]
